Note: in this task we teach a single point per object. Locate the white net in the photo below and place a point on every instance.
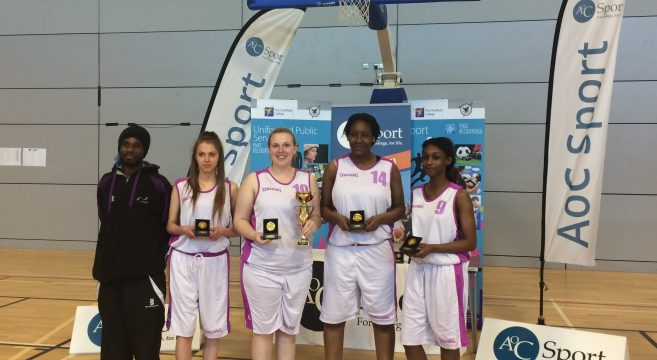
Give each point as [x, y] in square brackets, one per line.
[354, 12]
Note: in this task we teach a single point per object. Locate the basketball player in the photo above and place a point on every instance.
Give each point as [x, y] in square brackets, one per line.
[276, 273]
[133, 200]
[198, 260]
[360, 263]
[435, 297]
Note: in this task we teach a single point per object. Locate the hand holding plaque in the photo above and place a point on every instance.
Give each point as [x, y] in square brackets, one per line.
[270, 229]
[202, 227]
[357, 220]
[411, 245]
[303, 211]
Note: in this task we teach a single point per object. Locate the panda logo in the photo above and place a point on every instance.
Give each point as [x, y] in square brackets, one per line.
[463, 153]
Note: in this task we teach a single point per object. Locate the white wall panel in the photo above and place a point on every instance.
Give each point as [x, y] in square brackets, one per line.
[155, 106]
[49, 61]
[169, 15]
[331, 55]
[48, 16]
[163, 59]
[500, 10]
[514, 158]
[504, 103]
[512, 224]
[627, 228]
[343, 95]
[171, 148]
[49, 212]
[463, 53]
[71, 153]
[625, 102]
[637, 49]
[629, 161]
[49, 106]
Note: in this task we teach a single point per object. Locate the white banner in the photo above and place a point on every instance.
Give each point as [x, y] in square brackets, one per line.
[583, 75]
[88, 327]
[249, 72]
[507, 340]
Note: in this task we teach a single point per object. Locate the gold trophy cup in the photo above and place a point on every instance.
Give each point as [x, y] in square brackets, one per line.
[304, 210]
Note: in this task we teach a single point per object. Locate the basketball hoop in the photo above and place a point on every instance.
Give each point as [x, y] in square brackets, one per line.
[354, 12]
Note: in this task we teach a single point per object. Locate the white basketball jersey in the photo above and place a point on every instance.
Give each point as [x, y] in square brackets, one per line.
[189, 212]
[276, 200]
[361, 189]
[435, 222]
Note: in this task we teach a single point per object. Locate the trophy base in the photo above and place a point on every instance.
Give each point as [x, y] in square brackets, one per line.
[271, 237]
[303, 241]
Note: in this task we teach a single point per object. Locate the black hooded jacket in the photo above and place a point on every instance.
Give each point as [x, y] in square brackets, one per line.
[133, 213]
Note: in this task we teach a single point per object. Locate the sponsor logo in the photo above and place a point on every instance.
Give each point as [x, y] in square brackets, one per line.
[269, 111]
[314, 111]
[95, 330]
[466, 109]
[265, 189]
[216, 331]
[348, 175]
[151, 304]
[516, 343]
[417, 206]
[584, 11]
[419, 112]
[450, 129]
[313, 308]
[255, 46]
[144, 200]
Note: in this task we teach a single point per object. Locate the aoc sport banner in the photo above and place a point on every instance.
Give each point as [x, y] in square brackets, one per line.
[249, 72]
[311, 125]
[464, 125]
[584, 60]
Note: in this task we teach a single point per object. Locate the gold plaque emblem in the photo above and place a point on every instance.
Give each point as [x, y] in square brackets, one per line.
[357, 217]
[202, 225]
[412, 242]
[270, 226]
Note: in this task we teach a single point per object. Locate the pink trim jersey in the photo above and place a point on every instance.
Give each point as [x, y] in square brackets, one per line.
[189, 212]
[434, 220]
[361, 189]
[278, 200]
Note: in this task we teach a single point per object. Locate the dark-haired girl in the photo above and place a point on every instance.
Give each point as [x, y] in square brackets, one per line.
[435, 297]
[359, 268]
[198, 265]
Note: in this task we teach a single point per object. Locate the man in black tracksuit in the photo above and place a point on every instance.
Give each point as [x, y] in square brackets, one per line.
[133, 206]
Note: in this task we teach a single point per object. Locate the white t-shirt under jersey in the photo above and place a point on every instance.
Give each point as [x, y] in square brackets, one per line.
[189, 212]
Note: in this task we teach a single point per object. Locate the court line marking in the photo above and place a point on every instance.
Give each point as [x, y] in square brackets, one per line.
[563, 316]
[12, 303]
[44, 337]
[45, 351]
[574, 306]
[647, 337]
[585, 302]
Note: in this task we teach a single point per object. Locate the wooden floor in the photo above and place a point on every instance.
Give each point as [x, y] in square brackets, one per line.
[40, 289]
